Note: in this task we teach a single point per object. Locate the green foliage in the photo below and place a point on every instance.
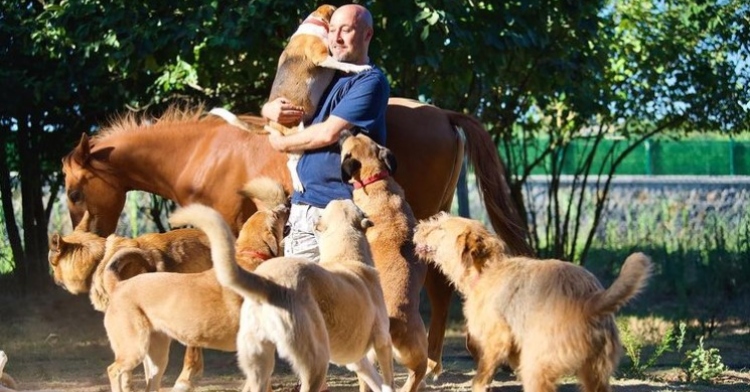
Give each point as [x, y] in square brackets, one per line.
[633, 344]
[703, 365]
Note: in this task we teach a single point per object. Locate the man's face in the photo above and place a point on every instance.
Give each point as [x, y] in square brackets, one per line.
[347, 38]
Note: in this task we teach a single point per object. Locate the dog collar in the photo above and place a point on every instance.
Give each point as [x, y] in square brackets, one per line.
[370, 180]
[256, 254]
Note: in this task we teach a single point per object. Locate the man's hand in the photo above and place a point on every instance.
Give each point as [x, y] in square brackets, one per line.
[282, 111]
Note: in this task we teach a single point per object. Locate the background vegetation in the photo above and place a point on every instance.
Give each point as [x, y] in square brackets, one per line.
[555, 71]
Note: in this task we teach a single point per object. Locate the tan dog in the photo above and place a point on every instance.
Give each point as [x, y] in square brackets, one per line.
[546, 318]
[311, 313]
[7, 383]
[80, 259]
[368, 166]
[147, 311]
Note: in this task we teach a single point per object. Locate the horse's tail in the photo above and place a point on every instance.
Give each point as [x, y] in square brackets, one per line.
[490, 175]
[220, 236]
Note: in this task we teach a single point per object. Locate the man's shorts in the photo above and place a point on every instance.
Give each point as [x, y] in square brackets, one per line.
[302, 240]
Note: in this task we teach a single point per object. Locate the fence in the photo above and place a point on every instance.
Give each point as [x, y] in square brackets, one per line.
[664, 157]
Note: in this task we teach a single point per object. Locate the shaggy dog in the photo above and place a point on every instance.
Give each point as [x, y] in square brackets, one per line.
[79, 260]
[546, 318]
[369, 166]
[7, 383]
[311, 313]
[147, 311]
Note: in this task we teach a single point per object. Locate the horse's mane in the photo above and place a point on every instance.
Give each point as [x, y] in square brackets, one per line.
[131, 121]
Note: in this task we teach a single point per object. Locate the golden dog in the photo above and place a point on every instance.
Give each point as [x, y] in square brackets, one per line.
[7, 383]
[79, 260]
[147, 311]
[368, 166]
[546, 318]
[311, 313]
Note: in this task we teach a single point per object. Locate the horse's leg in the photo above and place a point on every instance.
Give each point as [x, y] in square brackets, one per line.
[192, 369]
[439, 292]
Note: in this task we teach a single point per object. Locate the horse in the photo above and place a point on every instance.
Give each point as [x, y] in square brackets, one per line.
[189, 158]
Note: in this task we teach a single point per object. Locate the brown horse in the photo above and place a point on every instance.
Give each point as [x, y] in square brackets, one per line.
[188, 158]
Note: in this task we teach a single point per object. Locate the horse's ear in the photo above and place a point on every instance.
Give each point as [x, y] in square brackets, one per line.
[84, 149]
[102, 154]
[386, 156]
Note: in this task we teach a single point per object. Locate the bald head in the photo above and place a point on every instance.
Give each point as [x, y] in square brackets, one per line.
[350, 32]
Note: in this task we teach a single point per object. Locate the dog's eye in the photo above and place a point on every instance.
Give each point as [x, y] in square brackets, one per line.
[348, 155]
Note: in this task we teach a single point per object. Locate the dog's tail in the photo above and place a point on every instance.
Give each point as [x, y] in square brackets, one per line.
[228, 274]
[124, 264]
[265, 192]
[632, 279]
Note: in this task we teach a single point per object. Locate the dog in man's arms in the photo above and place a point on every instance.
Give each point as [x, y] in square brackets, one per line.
[545, 318]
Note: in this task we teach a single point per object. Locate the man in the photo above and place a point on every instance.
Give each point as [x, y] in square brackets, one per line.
[353, 101]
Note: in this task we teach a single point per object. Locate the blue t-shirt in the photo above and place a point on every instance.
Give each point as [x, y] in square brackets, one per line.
[360, 99]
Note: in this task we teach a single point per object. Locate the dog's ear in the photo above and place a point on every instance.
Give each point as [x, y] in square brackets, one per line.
[389, 160]
[345, 134]
[476, 249]
[349, 168]
[366, 223]
[56, 242]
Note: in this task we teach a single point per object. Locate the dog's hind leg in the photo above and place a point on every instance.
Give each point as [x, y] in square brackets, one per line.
[410, 343]
[366, 373]
[156, 360]
[256, 358]
[192, 369]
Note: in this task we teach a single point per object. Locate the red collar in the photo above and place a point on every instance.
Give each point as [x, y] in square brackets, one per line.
[361, 184]
[256, 254]
[316, 21]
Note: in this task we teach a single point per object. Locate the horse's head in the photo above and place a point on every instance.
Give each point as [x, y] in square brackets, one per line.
[91, 188]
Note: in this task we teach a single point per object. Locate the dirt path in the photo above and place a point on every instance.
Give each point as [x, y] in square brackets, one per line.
[56, 342]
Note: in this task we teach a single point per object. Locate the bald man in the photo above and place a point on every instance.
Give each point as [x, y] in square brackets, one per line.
[355, 102]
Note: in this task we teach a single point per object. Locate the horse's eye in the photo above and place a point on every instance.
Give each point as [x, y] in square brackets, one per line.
[75, 196]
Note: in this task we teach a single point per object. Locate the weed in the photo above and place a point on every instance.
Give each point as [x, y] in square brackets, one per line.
[702, 365]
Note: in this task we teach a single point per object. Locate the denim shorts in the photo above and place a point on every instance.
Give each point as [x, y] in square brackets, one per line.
[302, 240]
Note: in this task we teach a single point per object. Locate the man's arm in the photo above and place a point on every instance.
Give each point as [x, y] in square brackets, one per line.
[315, 136]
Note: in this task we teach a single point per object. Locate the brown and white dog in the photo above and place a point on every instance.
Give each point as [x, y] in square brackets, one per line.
[310, 313]
[147, 311]
[369, 166]
[304, 71]
[546, 318]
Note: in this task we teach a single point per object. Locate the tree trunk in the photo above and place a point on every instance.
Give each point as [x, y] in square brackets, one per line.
[6, 190]
[35, 270]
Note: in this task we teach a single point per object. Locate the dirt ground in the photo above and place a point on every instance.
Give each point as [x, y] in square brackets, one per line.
[56, 342]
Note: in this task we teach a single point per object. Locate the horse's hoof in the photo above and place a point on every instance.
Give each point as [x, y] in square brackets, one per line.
[182, 386]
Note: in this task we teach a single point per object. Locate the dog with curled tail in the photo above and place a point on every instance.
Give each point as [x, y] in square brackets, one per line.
[545, 318]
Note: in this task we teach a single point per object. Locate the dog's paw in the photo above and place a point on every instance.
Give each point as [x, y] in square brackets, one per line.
[353, 68]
